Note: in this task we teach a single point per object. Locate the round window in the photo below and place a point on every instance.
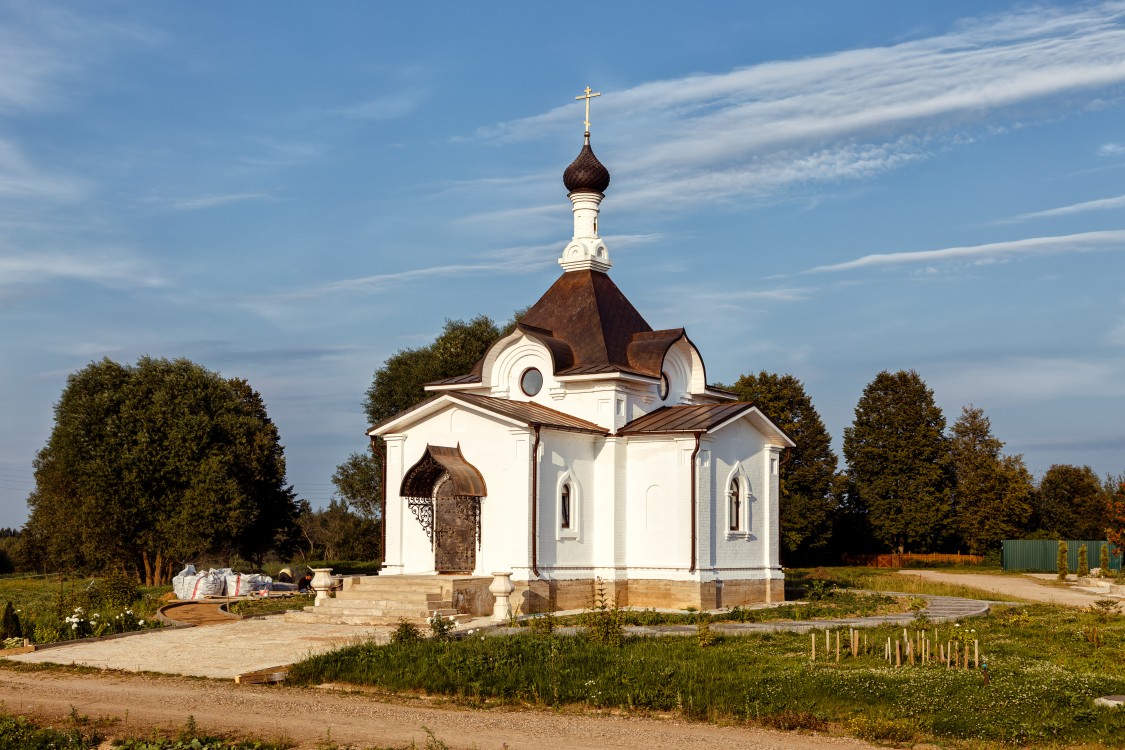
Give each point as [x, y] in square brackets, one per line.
[531, 382]
[664, 386]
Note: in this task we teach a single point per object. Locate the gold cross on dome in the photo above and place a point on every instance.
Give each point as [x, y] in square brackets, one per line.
[588, 96]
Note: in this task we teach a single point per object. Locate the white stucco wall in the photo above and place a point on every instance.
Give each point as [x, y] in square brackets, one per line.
[501, 452]
[567, 457]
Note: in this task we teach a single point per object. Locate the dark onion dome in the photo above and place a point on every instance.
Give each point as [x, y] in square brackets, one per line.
[586, 174]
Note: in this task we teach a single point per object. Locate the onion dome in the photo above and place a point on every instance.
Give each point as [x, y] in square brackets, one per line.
[586, 174]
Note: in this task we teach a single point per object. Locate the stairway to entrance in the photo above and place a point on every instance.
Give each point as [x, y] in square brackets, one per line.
[385, 600]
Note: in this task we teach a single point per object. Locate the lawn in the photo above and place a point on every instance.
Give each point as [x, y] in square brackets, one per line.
[44, 604]
[1045, 664]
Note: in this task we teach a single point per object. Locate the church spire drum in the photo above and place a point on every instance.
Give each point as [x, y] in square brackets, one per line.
[586, 180]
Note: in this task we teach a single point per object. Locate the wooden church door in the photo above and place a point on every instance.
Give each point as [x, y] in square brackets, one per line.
[455, 530]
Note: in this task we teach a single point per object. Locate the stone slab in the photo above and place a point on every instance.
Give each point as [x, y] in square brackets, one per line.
[223, 651]
[1110, 701]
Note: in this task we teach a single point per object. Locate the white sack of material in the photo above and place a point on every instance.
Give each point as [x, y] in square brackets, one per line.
[239, 584]
[181, 586]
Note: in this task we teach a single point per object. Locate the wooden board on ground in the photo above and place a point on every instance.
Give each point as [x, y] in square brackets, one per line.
[262, 676]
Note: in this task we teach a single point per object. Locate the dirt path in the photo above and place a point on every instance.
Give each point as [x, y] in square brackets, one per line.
[1023, 587]
[309, 715]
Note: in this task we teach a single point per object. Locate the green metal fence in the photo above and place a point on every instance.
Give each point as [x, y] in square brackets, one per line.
[1042, 555]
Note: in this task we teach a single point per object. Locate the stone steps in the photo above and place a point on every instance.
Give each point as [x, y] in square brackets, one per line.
[379, 600]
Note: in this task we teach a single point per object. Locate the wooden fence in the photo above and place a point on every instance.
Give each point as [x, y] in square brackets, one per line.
[901, 561]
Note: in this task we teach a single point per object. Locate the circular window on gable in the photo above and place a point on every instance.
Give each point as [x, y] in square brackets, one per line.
[664, 386]
[531, 382]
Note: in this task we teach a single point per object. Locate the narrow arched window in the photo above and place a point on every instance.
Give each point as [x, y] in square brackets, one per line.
[564, 507]
[734, 505]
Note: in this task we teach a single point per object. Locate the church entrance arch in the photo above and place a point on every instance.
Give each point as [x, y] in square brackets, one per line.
[444, 493]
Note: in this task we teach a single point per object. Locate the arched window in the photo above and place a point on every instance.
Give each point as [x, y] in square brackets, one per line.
[564, 506]
[734, 505]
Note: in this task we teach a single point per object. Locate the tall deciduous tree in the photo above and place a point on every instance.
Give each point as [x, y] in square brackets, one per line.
[1071, 503]
[1115, 530]
[398, 384]
[807, 501]
[359, 483]
[898, 462]
[156, 463]
[993, 492]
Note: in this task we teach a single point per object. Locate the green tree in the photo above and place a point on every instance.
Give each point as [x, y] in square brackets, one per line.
[898, 462]
[398, 384]
[807, 502]
[337, 533]
[1115, 523]
[1071, 503]
[1083, 562]
[993, 492]
[1061, 563]
[156, 463]
[359, 483]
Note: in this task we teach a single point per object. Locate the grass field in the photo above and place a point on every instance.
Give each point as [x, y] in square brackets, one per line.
[1046, 665]
[44, 603]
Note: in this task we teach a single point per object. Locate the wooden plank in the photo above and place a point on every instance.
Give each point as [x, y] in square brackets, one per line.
[262, 676]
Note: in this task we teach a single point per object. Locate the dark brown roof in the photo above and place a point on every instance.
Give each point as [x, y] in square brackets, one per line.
[522, 411]
[457, 380]
[438, 459]
[699, 418]
[591, 327]
[586, 174]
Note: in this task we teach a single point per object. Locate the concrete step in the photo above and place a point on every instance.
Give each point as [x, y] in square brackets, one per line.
[321, 616]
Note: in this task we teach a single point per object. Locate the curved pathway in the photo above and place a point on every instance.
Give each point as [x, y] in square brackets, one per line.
[1032, 586]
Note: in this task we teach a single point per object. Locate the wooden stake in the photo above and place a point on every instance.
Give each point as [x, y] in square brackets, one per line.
[837, 646]
[898, 653]
[813, 639]
[976, 654]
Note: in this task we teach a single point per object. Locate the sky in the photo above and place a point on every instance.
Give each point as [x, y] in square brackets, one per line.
[292, 192]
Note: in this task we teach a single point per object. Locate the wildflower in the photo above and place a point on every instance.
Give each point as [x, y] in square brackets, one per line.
[140, 622]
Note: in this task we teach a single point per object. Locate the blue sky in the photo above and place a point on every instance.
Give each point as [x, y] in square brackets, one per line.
[291, 192]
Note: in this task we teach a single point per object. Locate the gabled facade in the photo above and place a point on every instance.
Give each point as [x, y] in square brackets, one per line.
[585, 446]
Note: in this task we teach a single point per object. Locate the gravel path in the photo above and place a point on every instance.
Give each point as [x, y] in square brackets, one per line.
[308, 716]
[1032, 587]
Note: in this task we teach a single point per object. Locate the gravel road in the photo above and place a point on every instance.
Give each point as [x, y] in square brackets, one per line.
[308, 716]
[1030, 587]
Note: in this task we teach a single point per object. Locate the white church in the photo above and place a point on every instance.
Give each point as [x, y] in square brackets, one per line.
[586, 450]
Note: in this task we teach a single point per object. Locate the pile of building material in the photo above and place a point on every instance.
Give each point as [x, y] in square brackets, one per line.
[189, 584]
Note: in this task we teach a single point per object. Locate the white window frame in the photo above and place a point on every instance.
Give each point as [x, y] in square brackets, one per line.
[744, 498]
[575, 530]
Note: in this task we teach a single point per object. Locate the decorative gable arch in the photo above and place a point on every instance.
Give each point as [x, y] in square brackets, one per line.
[421, 478]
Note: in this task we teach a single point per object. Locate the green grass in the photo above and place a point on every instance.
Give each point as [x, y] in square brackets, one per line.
[80, 733]
[884, 579]
[1045, 670]
[44, 602]
[251, 607]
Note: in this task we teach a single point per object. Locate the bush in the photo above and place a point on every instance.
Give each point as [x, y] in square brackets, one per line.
[1061, 563]
[114, 590]
[604, 622]
[10, 623]
[406, 632]
[1103, 560]
[1083, 562]
[441, 628]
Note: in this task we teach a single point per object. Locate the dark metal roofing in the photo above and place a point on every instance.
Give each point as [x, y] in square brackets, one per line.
[530, 413]
[522, 411]
[420, 478]
[700, 418]
[457, 380]
[586, 174]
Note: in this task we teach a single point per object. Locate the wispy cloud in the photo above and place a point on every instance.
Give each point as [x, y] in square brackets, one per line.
[1102, 204]
[847, 115]
[1011, 380]
[1112, 149]
[1070, 243]
[390, 107]
[107, 269]
[209, 201]
[21, 180]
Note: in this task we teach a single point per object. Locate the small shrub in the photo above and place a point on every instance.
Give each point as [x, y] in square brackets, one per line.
[1104, 609]
[10, 623]
[604, 622]
[542, 625]
[46, 631]
[1061, 564]
[1103, 561]
[441, 628]
[113, 591]
[1083, 562]
[703, 632]
[406, 632]
[876, 729]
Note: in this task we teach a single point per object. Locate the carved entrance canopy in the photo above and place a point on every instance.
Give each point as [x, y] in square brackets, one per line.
[440, 465]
